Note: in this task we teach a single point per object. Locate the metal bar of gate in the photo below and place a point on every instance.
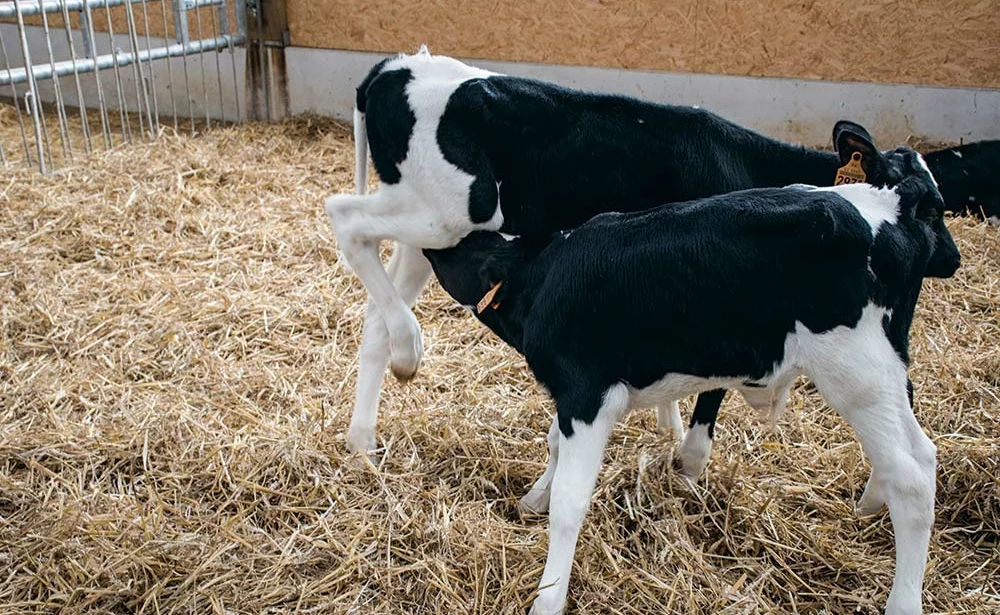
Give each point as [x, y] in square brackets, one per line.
[34, 110]
[76, 78]
[86, 65]
[8, 9]
[17, 105]
[90, 50]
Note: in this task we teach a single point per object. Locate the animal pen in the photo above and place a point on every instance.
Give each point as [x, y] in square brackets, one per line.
[178, 344]
[147, 64]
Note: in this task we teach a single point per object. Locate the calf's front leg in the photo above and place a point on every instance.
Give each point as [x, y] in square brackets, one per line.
[577, 467]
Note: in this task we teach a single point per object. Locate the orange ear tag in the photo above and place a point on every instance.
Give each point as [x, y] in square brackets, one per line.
[851, 173]
[487, 298]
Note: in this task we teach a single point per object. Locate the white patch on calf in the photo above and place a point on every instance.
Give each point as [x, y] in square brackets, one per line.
[432, 196]
[923, 163]
[695, 451]
[876, 205]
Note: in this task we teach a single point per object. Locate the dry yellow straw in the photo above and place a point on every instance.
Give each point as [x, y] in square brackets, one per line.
[177, 368]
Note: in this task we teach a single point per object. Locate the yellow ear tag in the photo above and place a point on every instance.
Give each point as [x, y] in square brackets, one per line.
[487, 298]
[851, 173]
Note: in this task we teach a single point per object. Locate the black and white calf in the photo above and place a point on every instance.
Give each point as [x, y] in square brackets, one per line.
[460, 149]
[969, 176]
[629, 309]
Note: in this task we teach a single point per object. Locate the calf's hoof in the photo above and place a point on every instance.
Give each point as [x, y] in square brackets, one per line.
[404, 357]
[539, 609]
[868, 508]
[692, 456]
[535, 502]
[359, 441]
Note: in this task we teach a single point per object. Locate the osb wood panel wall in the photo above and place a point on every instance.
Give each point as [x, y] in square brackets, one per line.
[929, 42]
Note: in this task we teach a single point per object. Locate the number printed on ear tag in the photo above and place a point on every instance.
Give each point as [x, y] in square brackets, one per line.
[851, 173]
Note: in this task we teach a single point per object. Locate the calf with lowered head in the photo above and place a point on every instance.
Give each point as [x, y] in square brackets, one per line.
[630, 309]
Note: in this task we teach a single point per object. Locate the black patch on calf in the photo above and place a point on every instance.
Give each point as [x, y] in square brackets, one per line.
[460, 138]
[361, 94]
[390, 121]
[706, 409]
[563, 156]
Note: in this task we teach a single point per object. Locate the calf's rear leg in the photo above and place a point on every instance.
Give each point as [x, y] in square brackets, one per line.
[696, 448]
[536, 501]
[668, 418]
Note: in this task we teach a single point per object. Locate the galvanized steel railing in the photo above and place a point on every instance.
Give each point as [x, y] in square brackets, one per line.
[141, 56]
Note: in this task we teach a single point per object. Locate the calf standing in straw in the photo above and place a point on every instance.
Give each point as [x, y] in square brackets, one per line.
[630, 309]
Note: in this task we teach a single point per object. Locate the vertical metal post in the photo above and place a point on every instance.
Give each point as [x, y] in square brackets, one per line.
[224, 17]
[181, 28]
[32, 89]
[81, 104]
[152, 74]
[170, 69]
[91, 51]
[87, 29]
[262, 59]
[60, 103]
[119, 85]
[201, 62]
[217, 32]
[271, 33]
[141, 99]
[17, 106]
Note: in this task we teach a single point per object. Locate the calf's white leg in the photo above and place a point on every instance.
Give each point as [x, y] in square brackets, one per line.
[695, 450]
[359, 227]
[865, 382]
[409, 271]
[668, 418]
[871, 500]
[573, 483]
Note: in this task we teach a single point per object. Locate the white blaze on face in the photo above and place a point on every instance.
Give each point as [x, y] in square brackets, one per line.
[923, 163]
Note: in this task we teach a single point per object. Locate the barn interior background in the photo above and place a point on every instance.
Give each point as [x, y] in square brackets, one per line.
[178, 341]
[921, 70]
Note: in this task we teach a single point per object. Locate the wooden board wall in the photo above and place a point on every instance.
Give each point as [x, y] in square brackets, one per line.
[928, 42]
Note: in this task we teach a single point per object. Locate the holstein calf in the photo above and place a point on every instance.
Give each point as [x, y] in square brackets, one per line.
[969, 176]
[460, 149]
[630, 309]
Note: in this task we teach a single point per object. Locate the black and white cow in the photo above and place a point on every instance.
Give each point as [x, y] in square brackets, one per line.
[969, 176]
[460, 149]
[630, 309]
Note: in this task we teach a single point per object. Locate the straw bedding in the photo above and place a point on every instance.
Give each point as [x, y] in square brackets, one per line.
[177, 369]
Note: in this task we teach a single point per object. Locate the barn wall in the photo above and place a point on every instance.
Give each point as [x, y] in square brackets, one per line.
[924, 42]
[797, 110]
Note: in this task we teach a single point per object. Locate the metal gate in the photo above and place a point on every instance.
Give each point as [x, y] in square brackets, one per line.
[82, 75]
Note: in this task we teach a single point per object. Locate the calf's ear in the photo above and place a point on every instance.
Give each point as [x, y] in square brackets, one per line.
[850, 138]
[494, 271]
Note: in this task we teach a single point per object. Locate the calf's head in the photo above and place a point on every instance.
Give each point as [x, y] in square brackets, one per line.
[474, 266]
[920, 196]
